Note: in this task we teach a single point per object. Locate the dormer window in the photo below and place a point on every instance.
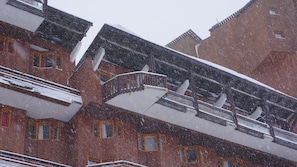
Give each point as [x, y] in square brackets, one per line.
[42, 60]
[272, 12]
[279, 34]
[7, 45]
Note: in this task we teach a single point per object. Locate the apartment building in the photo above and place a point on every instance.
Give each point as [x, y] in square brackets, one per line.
[128, 101]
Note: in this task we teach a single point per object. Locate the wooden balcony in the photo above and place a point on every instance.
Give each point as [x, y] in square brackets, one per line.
[146, 94]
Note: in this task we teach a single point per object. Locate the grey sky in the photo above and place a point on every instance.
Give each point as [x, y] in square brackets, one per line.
[159, 21]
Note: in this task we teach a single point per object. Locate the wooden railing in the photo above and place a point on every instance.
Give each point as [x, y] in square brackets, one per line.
[131, 82]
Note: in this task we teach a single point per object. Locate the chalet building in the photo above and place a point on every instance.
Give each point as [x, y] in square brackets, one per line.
[259, 40]
[128, 102]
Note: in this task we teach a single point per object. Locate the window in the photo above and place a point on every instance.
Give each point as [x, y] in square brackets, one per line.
[32, 131]
[11, 46]
[42, 60]
[7, 45]
[162, 143]
[104, 76]
[59, 63]
[272, 12]
[279, 35]
[119, 130]
[43, 132]
[5, 117]
[96, 130]
[2, 44]
[56, 129]
[203, 155]
[232, 162]
[150, 143]
[140, 142]
[108, 129]
[193, 154]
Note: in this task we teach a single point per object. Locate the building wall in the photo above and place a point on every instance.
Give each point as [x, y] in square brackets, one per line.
[15, 53]
[49, 148]
[186, 45]
[12, 137]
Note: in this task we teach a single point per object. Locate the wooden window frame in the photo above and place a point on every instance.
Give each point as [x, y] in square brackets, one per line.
[101, 129]
[140, 142]
[2, 112]
[105, 73]
[121, 125]
[202, 151]
[39, 124]
[199, 150]
[35, 131]
[41, 57]
[61, 62]
[162, 137]
[155, 137]
[234, 160]
[58, 125]
[6, 45]
[196, 154]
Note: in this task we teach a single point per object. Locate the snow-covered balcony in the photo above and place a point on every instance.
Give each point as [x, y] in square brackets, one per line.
[27, 14]
[146, 93]
[40, 98]
[10, 159]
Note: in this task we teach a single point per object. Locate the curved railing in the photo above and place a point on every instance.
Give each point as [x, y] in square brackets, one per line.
[131, 82]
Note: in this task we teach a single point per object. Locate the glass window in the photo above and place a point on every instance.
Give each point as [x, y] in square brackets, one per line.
[36, 59]
[96, 132]
[191, 155]
[32, 131]
[181, 154]
[11, 47]
[279, 35]
[56, 132]
[228, 164]
[119, 131]
[203, 155]
[58, 63]
[150, 143]
[162, 143]
[2, 44]
[272, 12]
[5, 118]
[43, 132]
[140, 142]
[106, 130]
[46, 61]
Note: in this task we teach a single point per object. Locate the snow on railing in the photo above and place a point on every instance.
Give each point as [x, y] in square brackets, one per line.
[117, 164]
[27, 160]
[9, 73]
[131, 82]
[285, 135]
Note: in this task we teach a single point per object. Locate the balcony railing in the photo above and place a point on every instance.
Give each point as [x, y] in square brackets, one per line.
[27, 160]
[135, 81]
[131, 82]
[117, 164]
[33, 6]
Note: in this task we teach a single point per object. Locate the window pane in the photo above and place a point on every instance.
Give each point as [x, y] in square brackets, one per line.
[106, 130]
[191, 155]
[36, 61]
[150, 144]
[228, 164]
[43, 132]
[140, 143]
[103, 78]
[119, 131]
[5, 119]
[32, 132]
[56, 132]
[58, 63]
[181, 155]
[96, 130]
[1, 44]
[162, 143]
[10, 48]
[46, 61]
